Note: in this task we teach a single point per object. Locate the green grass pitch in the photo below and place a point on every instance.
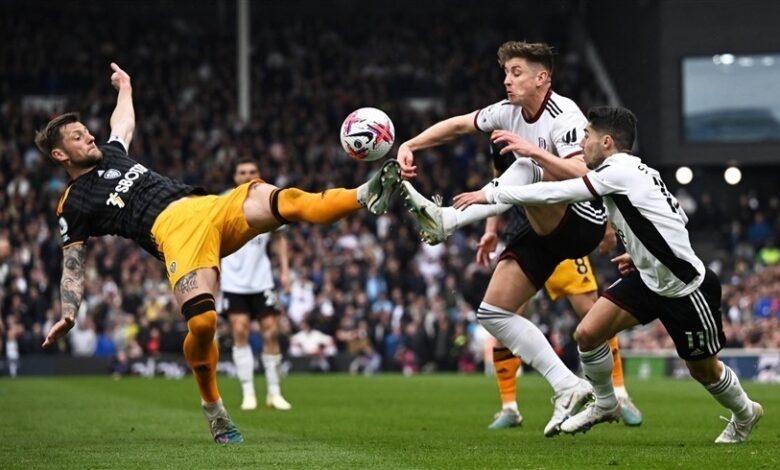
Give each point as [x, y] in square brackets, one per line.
[387, 421]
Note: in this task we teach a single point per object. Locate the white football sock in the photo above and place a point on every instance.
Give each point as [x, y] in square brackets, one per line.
[729, 393]
[597, 367]
[271, 364]
[453, 219]
[526, 341]
[621, 391]
[245, 368]
[521, 172]
[362, 194]
[211, 409]
[510, 406]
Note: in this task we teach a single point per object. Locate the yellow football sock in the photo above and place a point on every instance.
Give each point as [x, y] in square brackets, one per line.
[617, 363]
[202, 354]
[325, 207]
[506, 365]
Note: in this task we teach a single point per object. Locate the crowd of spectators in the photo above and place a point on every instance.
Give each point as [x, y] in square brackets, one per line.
[367, 282]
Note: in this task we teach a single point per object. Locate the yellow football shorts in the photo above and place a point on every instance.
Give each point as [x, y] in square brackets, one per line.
[571, 277]
[196, 232]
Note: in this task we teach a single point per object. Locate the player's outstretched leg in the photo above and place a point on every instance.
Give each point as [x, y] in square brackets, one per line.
[438, 223]
[295, 205]
[629, 412]
[376, 193]
[507, 365]
[428, 214]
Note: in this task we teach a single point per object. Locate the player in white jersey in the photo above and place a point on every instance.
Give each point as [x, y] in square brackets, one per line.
[247, 285]
[553, 124]
[662, 276]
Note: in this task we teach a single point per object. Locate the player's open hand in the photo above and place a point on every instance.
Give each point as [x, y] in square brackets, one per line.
[405, 159]
[463, 200]
[624, 263]
[58, 330]
[487, 245]
[119, 78]
[514, 143]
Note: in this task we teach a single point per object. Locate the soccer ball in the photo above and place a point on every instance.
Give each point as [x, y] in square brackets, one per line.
[367, 134]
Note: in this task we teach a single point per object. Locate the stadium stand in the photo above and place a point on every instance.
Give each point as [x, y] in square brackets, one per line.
[369, 282]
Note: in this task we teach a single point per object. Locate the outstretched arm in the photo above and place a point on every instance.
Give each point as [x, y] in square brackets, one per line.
[537, 194]
[123, 117]
[438, 134]
[555, 168]
[71, 291]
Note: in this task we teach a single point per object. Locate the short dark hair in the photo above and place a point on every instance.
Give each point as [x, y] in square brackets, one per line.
[245, 160]
[534, 52]
[619, 123]
[50, 137]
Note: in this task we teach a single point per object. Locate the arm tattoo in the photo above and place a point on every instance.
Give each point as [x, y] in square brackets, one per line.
[72, 284]
[188, 283]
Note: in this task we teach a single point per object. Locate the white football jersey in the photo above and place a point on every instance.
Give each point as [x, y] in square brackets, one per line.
[650, 222]
[248, 270]
[558, 128]
[644, 214]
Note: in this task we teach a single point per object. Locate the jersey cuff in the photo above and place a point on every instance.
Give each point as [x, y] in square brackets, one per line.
[573, 154]
[70, 244]
[476, 116]
[116, 138]
[590, 187]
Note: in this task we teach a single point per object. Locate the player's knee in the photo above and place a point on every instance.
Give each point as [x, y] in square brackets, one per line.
[705, 372]
[200, 312]
[287, 204]
[493, 319]
[271, 335]
[586, 338]
[203, 325]
[240, 337]
[523, 171]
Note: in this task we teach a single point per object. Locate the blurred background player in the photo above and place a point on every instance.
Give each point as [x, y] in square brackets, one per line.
[573, 279]
[248, 294]
[544, 129]
[110, 193]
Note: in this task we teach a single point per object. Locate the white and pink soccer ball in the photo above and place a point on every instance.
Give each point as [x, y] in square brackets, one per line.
[367, 134]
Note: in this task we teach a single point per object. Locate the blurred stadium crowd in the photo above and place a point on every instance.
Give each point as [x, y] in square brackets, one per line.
[366, 281]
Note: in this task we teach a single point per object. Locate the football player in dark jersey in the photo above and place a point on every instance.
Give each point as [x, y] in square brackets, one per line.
[110, 193]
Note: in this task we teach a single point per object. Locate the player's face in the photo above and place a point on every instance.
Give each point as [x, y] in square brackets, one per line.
[592, 148]
[522, 79]
[78, 145]
[246, 172]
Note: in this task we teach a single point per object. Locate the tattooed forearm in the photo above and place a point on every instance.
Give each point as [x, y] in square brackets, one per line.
[188, 283]
[72, 284]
